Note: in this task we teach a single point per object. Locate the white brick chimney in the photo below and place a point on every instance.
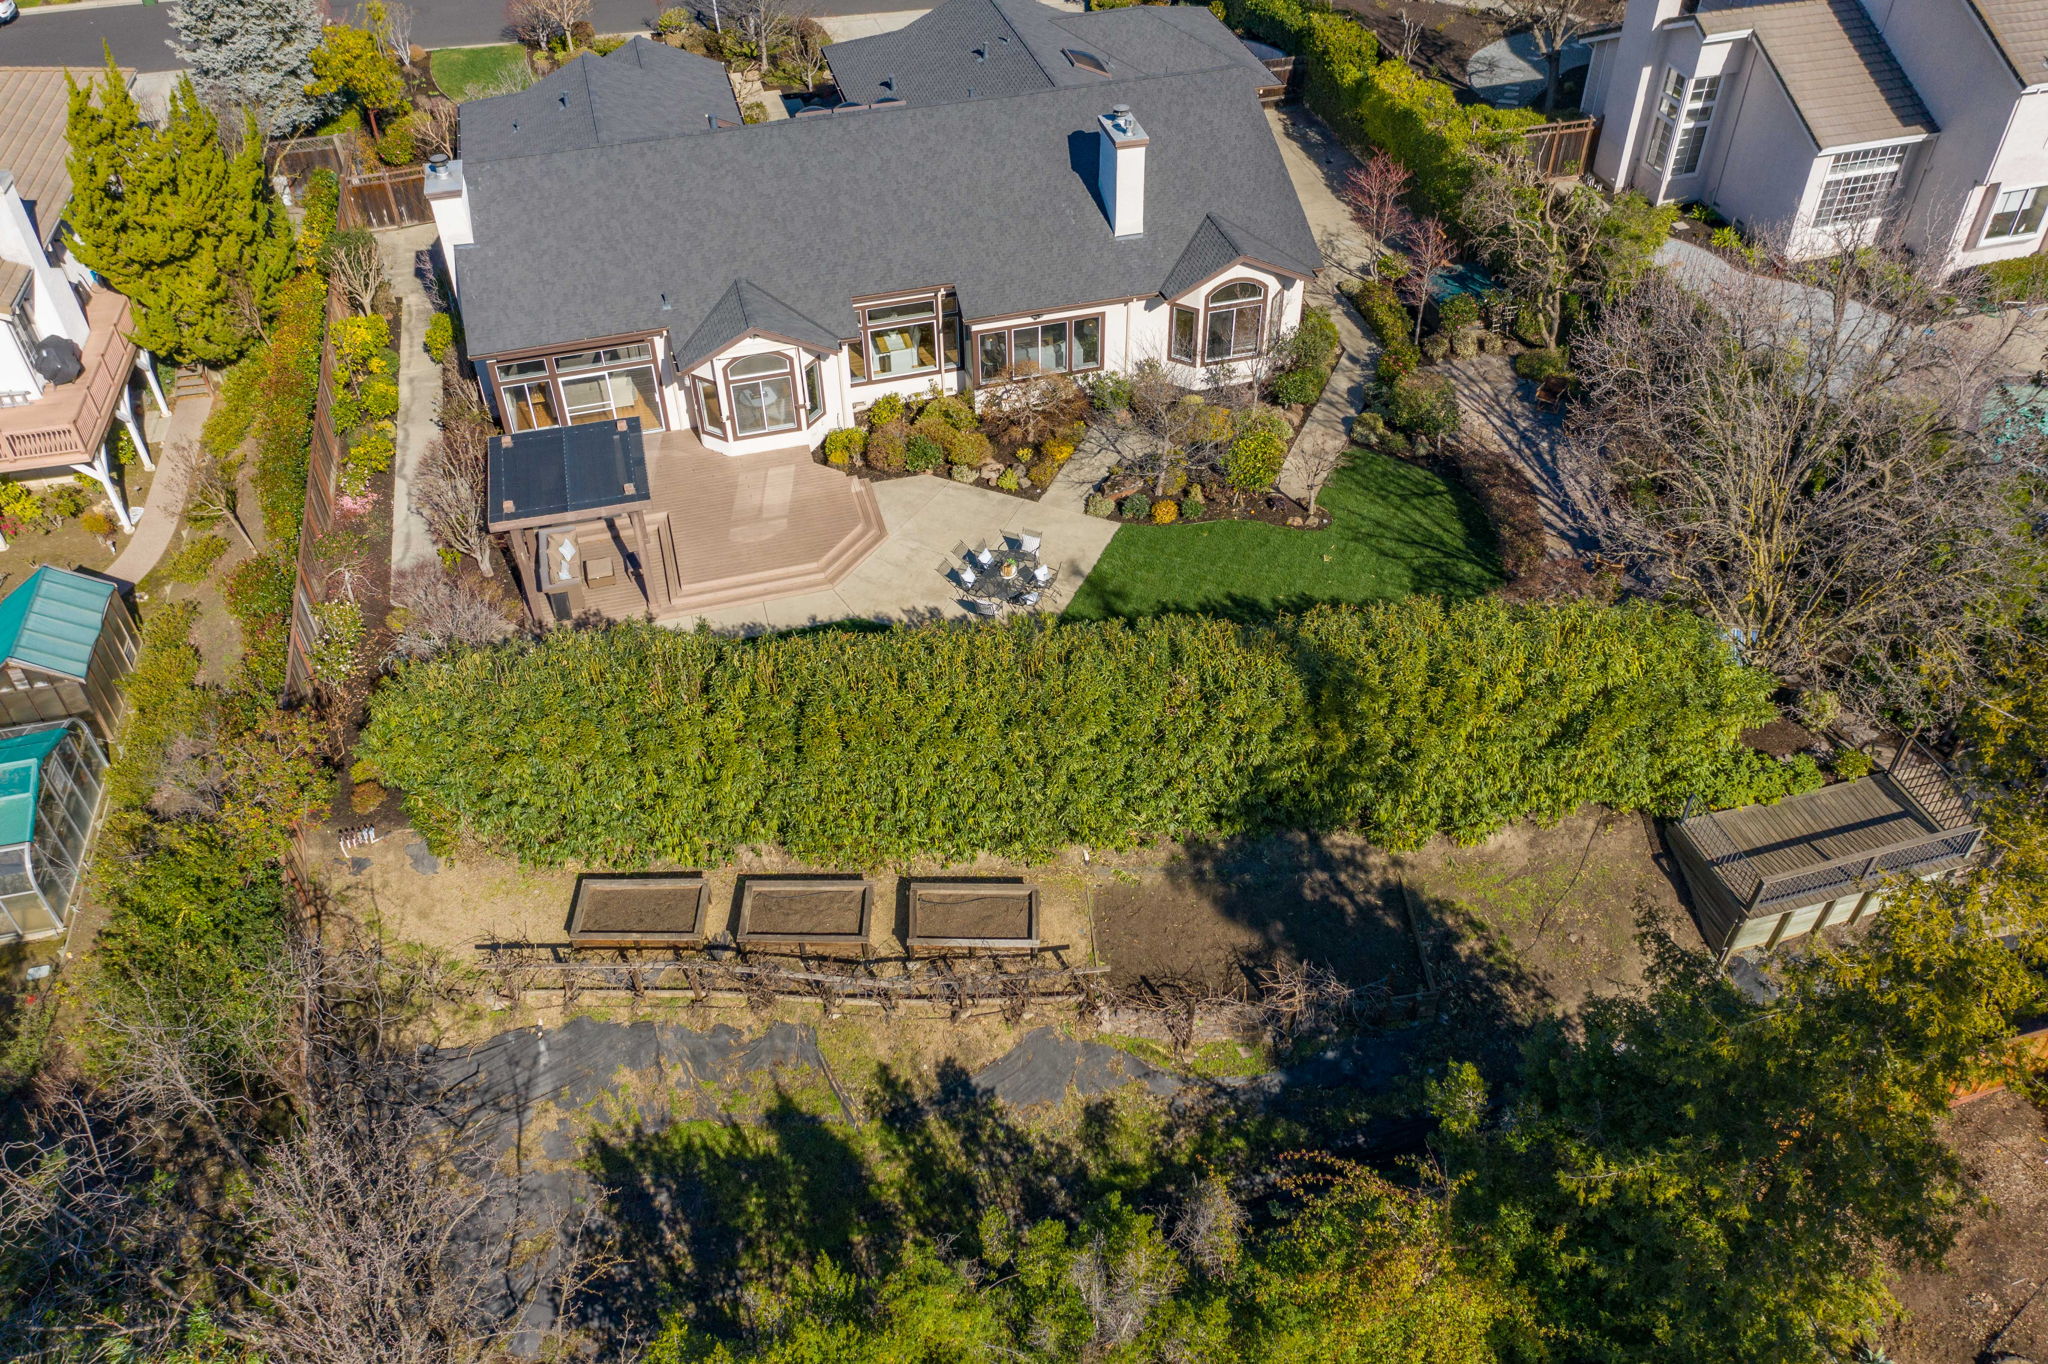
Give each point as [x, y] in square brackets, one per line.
[1120, 171]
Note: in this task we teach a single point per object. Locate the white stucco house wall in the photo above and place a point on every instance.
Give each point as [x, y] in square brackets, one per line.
[1815, 119]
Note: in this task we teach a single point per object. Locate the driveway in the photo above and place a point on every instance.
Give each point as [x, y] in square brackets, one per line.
[904, 579]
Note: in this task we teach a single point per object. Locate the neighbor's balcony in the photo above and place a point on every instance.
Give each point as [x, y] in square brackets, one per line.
[67, 423]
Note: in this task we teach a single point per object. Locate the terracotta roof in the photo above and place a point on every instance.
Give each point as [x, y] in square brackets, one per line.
[2020, 29]
[1844, 81]
[32, 143]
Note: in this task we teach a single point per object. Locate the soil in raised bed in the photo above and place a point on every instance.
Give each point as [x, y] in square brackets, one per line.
[790, 911]
[625, 907]
[988, 914]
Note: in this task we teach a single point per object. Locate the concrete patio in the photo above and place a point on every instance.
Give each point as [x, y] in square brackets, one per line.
[903, 581]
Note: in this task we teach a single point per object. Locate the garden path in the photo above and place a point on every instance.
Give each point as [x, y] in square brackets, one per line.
[409, 265]
[154, 532]
[1498, 413]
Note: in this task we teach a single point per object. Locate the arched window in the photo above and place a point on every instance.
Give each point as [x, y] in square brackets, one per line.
[1237, 314]
[763, 394]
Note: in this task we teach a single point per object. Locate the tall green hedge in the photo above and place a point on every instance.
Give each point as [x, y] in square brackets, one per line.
[1386, 104]
[635, 743]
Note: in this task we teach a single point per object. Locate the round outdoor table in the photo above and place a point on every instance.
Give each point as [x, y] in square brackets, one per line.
[990, 585]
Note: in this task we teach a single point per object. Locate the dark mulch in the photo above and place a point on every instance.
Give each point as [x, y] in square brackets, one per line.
[1781, 738]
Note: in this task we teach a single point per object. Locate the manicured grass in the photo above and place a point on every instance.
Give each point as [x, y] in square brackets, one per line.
[1396, 530]
[459, 70]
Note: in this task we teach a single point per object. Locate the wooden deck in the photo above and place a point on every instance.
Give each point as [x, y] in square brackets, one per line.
[67, 423]
[1766, 872]
[723, 529]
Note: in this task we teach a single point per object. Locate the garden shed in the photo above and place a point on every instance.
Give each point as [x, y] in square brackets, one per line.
[50, 781]
[67, 640]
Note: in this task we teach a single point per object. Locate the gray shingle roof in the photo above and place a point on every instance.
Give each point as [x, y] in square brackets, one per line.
[981, 49]
[642, 91]
[1216, 246]
[1844, 81]
[2020, 29]
[994, 197]
[746, 309]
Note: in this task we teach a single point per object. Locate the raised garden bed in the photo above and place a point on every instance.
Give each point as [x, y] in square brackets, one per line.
[1000, 914]
[629, 911]
[805, 911]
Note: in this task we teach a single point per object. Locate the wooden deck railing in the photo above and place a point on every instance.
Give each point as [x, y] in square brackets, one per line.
[68, 421]
[1563, 149]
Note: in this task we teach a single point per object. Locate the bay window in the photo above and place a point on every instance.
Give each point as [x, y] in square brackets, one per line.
[763, 394]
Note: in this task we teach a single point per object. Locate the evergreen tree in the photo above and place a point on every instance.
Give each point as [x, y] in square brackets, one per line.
[193, 236]
[354, 66]
[254, 54]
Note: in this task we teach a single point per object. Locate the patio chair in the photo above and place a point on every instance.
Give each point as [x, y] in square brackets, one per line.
[1042, 575]
[1029, 541]
[984, 556]
[1029, 599]
[966, 576]
[980, 607]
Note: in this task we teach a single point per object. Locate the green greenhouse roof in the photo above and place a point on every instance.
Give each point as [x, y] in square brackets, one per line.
[21, 779]
[53, 620]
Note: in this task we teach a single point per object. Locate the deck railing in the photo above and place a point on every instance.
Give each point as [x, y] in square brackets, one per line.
[81, 410]
[1562, 149]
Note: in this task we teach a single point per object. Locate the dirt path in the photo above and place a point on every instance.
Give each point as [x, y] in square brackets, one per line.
[1498, 413]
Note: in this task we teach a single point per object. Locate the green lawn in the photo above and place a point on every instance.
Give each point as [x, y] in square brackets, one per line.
[1396, 530]
[458, 70]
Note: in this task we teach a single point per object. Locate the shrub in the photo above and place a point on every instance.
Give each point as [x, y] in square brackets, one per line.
[440, 337]
[1011, 479]
[21, 505]
[965, 473]
[399, 144]
[1315, 343]
[1851, 763]
[1464, 343]
[1059, 450]
[1099, 504]
[96, 523]
[1254, 459]
[886, 447]
[194, 560]
[1423, 405]
[1136, 507]
[1369, 429]
[1165, 512]
[1043, 472]
[2023, 278]
[922, 454]
[1398, 720]
[1381, 308]
[971, 447]
[678, 20]
[954, 412]
[886, 409]
[844, 446]
[1457, 312]
[1193, 505]
[71, 499]
[1300, 387]
[1546, 363]
[233, 410]
[1435, 348]
[1109, 392]
[366, 796]
[289, 376]
[753, 111]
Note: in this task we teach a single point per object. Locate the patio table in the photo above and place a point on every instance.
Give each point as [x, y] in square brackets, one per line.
[990, 585]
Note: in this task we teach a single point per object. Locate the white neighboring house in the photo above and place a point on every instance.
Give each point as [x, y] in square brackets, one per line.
[67, 365]
[1816, 118]
[1004, 183]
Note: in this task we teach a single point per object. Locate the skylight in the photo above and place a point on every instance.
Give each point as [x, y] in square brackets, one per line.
[1087, 61]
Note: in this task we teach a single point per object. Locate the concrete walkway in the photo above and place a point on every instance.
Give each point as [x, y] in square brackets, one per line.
[408, 264]
[1318, 164]
[175, 449]
[904, 581]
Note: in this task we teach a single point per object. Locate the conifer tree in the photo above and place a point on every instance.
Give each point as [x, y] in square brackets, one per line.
[191, 235]
[253, 54]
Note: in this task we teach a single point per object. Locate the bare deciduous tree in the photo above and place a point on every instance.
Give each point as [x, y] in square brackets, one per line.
[1409, 44]
[765, 25]
[1122, 1285]
[393, 24]
[542, 23]
[1319, 462]
[210, 492]
[1553, 25]
[1210, 1227]
[1430, 252]
[435, 124]
[1374, 193]
[1805, 462]
[449, 491]
[356, 267]
[443, 610]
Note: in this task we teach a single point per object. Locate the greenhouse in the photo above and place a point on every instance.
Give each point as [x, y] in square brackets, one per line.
[50, 780]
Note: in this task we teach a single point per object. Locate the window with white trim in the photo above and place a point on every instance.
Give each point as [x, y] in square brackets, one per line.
[1859, 184]
[2017, 213]
[763, 394]
[1685, 110]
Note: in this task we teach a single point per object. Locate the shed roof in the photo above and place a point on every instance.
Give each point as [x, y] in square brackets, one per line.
[21, 780]
[1844, 81]
[559, 471]
[2019, 28]
[53, 619]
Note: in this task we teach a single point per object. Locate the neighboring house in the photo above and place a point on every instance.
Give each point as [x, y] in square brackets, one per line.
[1820, 117]
[66, 641]
[1007, 185]
[67, 365]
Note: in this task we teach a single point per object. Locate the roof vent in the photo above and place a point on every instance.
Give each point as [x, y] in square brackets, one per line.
[889, 82]
[437, 166]
[981, 53]
[563, 99]
[1085, 61]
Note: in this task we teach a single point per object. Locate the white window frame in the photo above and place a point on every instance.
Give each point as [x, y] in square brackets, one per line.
[1678, 131]
[2035, 202]
[1865, 180]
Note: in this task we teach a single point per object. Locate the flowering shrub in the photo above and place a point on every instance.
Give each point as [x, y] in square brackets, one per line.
[1165, 512]
[844, 446]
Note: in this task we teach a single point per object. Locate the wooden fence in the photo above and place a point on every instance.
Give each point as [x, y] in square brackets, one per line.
[323, 482]
[1563, 150]
[392, 198]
